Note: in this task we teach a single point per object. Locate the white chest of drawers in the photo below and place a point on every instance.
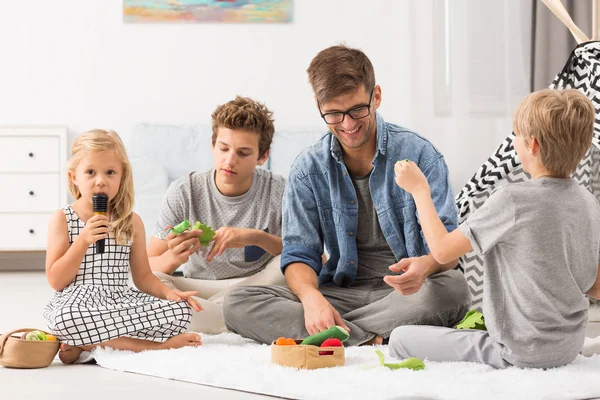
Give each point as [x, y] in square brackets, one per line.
[33, 184]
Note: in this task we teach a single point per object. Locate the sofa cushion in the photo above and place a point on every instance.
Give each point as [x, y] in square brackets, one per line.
[179, 149]
[286, 146]
[150, 182]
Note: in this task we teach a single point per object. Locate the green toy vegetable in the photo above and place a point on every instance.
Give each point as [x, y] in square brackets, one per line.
[413, 363]
[207, 232]
[181, 227]
[472, 320]
[333, 332]
[35, 335]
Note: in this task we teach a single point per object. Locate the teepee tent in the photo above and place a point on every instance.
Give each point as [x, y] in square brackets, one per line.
[581, 72]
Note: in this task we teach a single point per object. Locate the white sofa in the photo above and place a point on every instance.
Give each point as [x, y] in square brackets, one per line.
[161, 153]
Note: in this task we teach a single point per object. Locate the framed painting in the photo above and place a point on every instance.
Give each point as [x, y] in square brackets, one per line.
[208, 11]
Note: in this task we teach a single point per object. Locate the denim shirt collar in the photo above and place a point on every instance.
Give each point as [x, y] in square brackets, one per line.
[382, 139]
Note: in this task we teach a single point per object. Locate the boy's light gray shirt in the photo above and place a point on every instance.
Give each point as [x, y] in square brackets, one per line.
[195, 197]
[540, 241]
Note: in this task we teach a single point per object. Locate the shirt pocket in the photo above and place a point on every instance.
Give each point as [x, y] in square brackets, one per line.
[254, 253]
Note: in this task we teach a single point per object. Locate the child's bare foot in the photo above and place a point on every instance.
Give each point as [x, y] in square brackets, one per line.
[69, 354]
[183, 340]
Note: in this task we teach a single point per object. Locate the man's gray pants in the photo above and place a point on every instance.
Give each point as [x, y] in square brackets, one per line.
[445, 344]
[369, 308]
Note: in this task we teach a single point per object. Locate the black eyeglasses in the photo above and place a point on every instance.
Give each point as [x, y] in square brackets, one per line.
[358, 112]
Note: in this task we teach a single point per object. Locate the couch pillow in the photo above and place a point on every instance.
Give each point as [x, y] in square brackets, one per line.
[150, 182]
[179, 149]
[286, 146]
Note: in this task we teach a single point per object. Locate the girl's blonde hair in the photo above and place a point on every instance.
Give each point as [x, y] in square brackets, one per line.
[121, 205]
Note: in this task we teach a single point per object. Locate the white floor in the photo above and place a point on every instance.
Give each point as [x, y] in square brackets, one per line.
[23, 295]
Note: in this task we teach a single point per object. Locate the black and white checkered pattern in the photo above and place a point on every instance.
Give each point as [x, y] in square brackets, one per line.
[581, 72]
[99, 305]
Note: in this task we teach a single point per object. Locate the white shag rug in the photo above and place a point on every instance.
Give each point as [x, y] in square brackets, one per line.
[229, 361]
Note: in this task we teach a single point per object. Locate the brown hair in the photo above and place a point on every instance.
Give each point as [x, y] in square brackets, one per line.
[245, 114]
[339, 70]
[121, 205]
[562, 122]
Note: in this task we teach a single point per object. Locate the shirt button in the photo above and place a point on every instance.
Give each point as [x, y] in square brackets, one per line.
[345, 173]
[351, 262]
[351, 201]
[351, 233]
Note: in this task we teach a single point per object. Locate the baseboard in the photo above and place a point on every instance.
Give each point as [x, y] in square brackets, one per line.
[22, 261]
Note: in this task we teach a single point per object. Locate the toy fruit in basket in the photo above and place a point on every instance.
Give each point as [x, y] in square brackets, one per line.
[334, 332]
[207, 232]
[285, 342]
[36, 335]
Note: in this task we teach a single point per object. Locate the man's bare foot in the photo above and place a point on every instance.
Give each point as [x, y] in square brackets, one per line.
[376, 340]
[183, 340]
[69, 354]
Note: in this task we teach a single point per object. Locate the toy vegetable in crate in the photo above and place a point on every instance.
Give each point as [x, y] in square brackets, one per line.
[324, 349]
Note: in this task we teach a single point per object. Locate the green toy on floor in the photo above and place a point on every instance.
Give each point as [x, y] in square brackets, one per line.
[413, 363]
[472, 320]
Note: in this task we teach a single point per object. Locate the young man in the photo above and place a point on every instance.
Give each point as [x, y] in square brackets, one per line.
[540, 241]
[340, 196]
[241, 202]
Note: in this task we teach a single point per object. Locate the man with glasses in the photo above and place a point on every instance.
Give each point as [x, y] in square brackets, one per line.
[341, 197]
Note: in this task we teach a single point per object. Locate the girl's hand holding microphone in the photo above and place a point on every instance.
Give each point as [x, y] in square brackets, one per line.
[96, 228]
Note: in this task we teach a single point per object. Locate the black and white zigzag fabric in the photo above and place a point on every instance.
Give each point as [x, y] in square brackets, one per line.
[582, 72]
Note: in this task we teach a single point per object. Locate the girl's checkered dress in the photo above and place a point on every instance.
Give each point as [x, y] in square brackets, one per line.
[99, 305]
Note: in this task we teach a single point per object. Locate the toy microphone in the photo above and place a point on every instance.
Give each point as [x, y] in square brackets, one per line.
[100, 203]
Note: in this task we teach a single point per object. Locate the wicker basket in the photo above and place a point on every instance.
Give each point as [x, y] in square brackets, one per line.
[16, 352]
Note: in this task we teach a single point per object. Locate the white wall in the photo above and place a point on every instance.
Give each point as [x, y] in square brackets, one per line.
[75, 63]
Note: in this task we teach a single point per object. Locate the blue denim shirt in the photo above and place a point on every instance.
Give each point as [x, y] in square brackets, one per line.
[320, 204]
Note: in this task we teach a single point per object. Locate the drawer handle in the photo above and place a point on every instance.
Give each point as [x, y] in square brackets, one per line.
[31, 193]
[31, 231]
[30, 155]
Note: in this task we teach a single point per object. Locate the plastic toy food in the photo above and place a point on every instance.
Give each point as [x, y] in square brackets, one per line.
[207, 232]
[415, 364]
[332, 342]
[333, 332]
[285, 342]
[36, 335]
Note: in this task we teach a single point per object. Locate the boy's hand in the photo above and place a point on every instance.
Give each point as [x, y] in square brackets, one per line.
[410, 178]
[416, 270]
[177, 295]
[96, 228]
[183, 245]
[227, 237]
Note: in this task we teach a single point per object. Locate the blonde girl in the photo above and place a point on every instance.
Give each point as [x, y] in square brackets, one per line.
[93, 304]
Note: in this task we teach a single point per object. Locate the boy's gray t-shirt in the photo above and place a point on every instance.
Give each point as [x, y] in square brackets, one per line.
[540, 243]
[195, 197]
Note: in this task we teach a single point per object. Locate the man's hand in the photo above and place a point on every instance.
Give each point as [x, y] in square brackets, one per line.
[319, 314]
[183, 245]
[410, 177]
[177, 295]
[227, 237]
[416, 270]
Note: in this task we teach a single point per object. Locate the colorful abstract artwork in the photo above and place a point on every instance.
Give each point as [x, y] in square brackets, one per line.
[228, 11]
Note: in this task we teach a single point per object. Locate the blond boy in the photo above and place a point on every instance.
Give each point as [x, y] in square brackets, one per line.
[540, 241]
